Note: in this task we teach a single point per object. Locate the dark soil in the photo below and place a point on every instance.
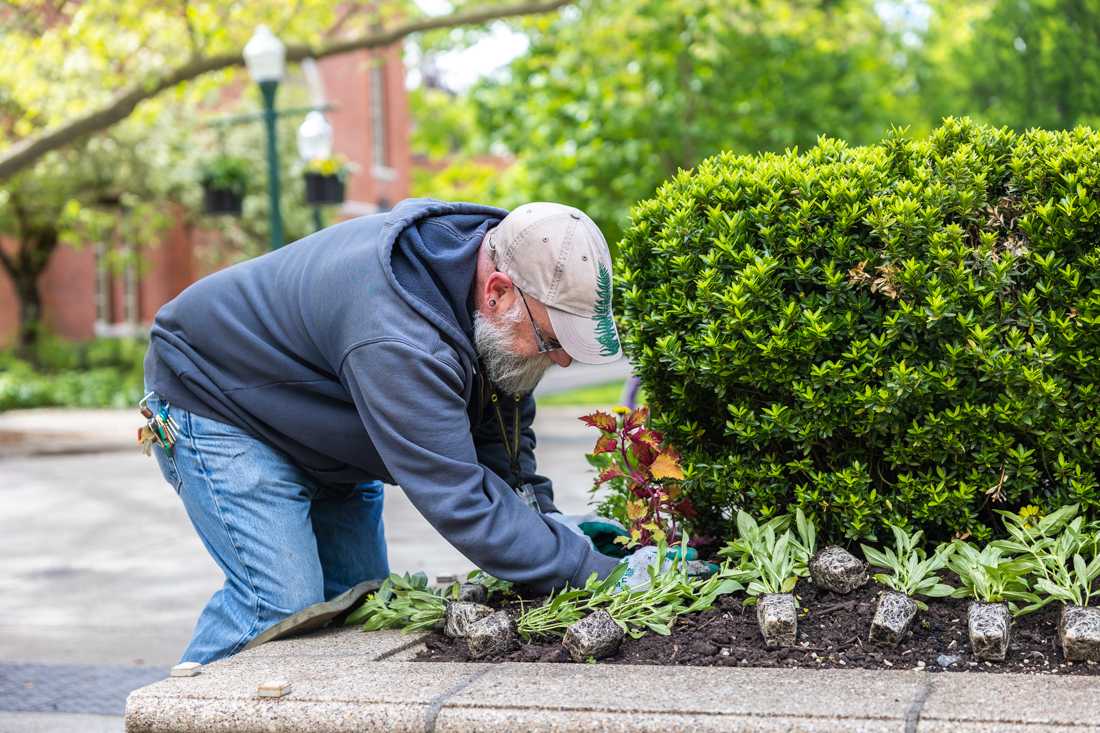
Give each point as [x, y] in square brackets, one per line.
[832, 633]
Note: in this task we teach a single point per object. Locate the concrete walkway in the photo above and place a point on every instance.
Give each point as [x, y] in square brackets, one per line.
[346, 680]
[103, 576]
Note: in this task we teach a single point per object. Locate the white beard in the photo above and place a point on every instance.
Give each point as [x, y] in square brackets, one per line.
[516, 375]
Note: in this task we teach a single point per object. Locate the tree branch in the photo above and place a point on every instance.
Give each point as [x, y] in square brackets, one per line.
[192, 33]
[27, 151]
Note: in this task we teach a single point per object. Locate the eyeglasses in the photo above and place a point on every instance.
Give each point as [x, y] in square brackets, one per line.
[545, 344]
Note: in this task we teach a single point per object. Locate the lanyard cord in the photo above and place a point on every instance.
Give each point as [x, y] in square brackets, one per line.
[510, 447]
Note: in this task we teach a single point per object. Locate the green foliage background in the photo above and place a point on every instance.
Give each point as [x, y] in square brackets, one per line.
[613, 96]
[105, 372]
[907, 332]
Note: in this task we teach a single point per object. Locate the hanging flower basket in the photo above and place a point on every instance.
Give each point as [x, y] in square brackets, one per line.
[224, 181]
[221, 201]
[323, 190]
[325, 181]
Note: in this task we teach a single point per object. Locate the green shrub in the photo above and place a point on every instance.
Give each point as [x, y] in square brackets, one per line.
[905, 333]
[100, 373]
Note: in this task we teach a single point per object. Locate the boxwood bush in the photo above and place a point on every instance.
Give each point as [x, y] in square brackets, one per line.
[907, 332]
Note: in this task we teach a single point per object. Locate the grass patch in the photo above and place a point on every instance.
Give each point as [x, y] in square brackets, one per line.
[603, 395]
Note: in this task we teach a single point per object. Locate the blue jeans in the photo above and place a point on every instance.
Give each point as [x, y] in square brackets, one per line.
[283, 540]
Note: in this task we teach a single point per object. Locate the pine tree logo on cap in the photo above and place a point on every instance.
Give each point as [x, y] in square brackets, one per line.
[605, 324]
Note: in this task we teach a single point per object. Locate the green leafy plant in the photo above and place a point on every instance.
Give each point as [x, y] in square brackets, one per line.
[805, 540]
[901, 333]
[567, 606]
[228, 173]
[408, 602]
[405, 602]
[912, 571]
[1061, 552]
[100, 373]
[671, 593]
[990, 575]
[639, 467]
[768, 556]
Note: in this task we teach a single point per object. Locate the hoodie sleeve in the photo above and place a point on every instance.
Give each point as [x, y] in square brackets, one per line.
[412, 407]
[492, 453]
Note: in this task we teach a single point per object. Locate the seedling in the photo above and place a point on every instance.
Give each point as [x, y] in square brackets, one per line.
[990, 575]
[912, 572]
[410, 603]
[768, 556]
[670, 594]
[993, 579]
[1060, 552]
[404, 602]
[772, 559]
[1064, 563]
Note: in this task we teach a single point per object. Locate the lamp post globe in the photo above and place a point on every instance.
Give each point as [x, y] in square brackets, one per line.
[265, 57]
[315, 137]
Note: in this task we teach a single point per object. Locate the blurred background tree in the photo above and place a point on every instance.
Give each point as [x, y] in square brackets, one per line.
[613, 96]
[101, 105]
[606, 99]
[1019, 63]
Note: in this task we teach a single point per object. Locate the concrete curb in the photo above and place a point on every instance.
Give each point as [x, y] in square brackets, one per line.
[345, 680]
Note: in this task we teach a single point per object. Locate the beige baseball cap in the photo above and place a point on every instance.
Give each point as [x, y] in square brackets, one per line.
[557, 255]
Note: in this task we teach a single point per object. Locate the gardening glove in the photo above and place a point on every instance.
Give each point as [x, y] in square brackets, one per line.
[600, 531]
[636, 576]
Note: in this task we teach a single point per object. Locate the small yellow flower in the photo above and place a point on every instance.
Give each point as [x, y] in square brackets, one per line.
[1030, 514]
[620, 410]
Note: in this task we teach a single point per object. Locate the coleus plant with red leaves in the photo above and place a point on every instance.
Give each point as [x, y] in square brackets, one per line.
[634, 461]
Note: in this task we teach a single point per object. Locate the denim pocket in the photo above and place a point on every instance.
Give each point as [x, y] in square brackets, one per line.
[167, 465]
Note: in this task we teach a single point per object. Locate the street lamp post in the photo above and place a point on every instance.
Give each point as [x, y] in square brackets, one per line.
[315, 143]
[265, 56]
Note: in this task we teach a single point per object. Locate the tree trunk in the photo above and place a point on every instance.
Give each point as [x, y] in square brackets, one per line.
[30, 313]
[25, 268]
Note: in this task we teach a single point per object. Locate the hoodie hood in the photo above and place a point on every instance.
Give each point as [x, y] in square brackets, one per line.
[430, 256]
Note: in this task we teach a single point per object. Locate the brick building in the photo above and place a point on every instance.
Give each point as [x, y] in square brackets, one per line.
[83, 298]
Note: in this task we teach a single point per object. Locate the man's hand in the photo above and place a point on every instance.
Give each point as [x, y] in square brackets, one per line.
[600, 531]
[636, 577]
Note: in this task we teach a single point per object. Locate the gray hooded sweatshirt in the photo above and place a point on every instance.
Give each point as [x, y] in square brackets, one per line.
[351, 350]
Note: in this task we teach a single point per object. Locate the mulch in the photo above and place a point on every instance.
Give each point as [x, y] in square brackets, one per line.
[832, 634]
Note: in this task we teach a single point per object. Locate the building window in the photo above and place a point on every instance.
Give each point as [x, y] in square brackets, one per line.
[131, 288]
[116, 279]
[104, 295]
[380, 153]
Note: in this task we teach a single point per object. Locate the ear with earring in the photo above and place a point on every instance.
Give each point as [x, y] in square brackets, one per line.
[492, 303]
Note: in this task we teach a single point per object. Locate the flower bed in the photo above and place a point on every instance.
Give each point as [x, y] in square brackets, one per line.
[994, 608]
[832, 634]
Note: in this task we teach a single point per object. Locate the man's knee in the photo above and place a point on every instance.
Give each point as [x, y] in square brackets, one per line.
[292, 597]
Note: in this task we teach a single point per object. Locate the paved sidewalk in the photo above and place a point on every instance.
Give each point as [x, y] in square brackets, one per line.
[104, 577]
[345, 680]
